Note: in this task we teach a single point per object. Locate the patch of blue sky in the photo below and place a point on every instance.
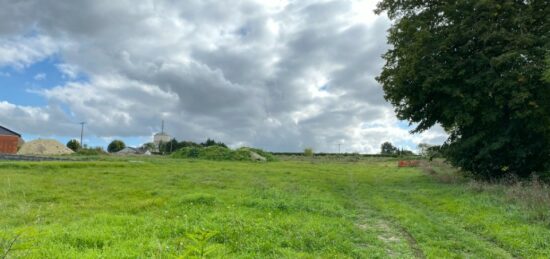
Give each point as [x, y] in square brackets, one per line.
[405, 125]
[405, 144]
[20, 86]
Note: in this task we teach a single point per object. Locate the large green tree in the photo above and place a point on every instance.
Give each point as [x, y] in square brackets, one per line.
[475, 67]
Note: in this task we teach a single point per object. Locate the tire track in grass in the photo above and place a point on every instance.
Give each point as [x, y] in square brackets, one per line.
[457, 223]
[429, 234]
[397, 242]
[444, 228]
[420, 200]
[413, 244]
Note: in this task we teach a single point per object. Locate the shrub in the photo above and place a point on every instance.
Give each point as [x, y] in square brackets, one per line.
[115, 146]
[220, 153]
[216, 153]
[308, 152]
[187, 152]
[96, 151]
[241, 154]
[74, 145]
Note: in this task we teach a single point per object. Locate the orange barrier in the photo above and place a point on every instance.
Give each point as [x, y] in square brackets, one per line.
[408, 163]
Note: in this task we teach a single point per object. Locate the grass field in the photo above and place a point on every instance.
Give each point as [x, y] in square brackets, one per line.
[170, 208]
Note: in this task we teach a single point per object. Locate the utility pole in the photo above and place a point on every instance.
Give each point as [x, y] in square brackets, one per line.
[82, 133]
[161, 136]
[339, 148]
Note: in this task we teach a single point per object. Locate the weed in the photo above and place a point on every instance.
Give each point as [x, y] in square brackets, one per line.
[10, 242]
[7, 245]
[534, 195]
[198, 245]
[441, 171]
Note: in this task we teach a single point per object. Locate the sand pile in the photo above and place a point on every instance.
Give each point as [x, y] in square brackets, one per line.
[44, 147]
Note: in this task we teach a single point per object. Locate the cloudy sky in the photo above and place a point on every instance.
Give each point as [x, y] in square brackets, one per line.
[279, 75]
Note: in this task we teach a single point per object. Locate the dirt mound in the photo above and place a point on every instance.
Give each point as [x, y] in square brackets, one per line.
[44, 147]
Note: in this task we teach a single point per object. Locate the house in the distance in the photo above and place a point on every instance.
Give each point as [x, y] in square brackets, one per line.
[9, 141]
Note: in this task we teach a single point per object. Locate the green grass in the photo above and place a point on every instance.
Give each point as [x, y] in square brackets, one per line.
[166, 208]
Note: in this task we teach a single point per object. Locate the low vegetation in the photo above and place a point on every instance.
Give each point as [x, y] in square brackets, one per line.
[90, 151]
[216, 152]
[533, 194]
[167, 208]
[174, 145]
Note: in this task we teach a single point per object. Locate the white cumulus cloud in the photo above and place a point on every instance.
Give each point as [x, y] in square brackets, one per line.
[281, 75]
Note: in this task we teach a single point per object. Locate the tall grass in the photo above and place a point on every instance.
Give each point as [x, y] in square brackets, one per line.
[533, 194]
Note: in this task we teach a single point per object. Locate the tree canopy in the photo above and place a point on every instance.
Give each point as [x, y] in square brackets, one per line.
[115, 146]
[387, 148]
[74, 145]
[210, 142]
[476, 68]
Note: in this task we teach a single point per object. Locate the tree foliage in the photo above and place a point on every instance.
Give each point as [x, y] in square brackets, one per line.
[476, 68]
[388, 149]
[210, 142]
[115, 146]
[308, 152]
[74, 145]
[149, 146]
[173, 145]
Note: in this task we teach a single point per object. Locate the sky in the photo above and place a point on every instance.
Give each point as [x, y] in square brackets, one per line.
[279, 75]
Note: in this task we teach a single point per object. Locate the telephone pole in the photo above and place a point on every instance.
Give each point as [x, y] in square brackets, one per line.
[82, 133]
